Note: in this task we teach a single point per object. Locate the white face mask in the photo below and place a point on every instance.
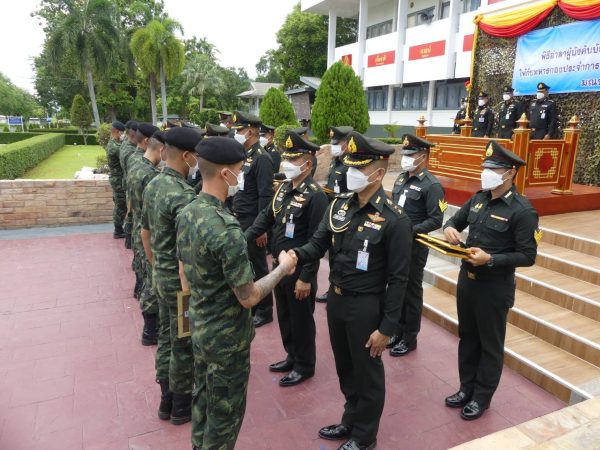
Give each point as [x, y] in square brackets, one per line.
[409, 163]
[356, 180]
[241, 138]
[481, 102]
[540, 95]
[506, 97]
[232, 190]
[194, 168]
[491, 180]
[291, 171]
[263, 141]
[336, 150]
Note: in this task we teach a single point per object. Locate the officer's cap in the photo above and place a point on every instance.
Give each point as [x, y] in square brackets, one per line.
[412, 144]
[215, 130]
[498, 157]
[159, 136]
[508, 90]
[542, 87]
[224, 114]
[296, 145]
[172, 124]
[118, 125]
[146, 129]
[221, 150]
[264, 129]
[337, 134]
[483, 94]
[245, 120]
[362, 150]
[184, 139]
[131, 125]
[301, 130]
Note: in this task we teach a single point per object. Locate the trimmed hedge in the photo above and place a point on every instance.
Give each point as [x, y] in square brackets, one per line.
[391, 141]
[9, 138]
[19, 157]
[63, 130]
[77, 139]
[70, 139]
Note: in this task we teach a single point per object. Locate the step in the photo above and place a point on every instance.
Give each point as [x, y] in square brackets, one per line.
[559, 372]
[558, 326]
[569, 262]
[572, 241]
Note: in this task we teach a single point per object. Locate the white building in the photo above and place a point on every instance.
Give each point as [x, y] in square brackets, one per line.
[413, 56]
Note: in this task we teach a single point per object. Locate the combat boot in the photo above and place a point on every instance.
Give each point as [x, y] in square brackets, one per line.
[128, 241]
[150, 333]
[119, 233]
[182, 409]
[166, 401]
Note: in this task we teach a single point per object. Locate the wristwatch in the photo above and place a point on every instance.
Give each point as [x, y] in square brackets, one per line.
[490, 263]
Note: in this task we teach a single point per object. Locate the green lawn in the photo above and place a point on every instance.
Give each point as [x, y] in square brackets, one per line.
[65, 162]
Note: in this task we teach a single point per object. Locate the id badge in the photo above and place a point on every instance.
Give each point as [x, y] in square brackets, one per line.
[362, 261]
[508, 116]
[482, 119]
[336, 188]
[402, 199]
[289, 230]
[543, 115]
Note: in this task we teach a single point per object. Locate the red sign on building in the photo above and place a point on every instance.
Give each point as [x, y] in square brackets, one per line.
[491, 2]
[468, 42]
[347, 59]
[381, 59]
[430, 50]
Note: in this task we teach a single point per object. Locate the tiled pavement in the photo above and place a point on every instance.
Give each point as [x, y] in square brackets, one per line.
[73, 374]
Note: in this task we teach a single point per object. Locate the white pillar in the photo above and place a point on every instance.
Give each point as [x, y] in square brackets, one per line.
[430, 99]
[390, 102]
[453, 30]
[331, 37]
[362, 37]
[401, 39]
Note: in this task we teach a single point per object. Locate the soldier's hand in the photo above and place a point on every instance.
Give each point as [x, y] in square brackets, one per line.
[261, 241]
[478, 257]
[288, 260]
[452, 235]
[377, 342]
[302, 289]
[546, 137]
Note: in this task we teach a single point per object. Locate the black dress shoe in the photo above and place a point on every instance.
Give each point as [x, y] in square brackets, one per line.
[402, 348]
[321, 298]
[292, 379]
[259, 321]
[335, 432]
[282, 366]
[352, 444]
[472, 410]
[458, 400]
[393, 341]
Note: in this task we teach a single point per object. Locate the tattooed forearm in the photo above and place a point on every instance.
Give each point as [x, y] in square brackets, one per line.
[251, 293]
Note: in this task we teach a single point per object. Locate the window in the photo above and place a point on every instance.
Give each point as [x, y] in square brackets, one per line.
[470, 5]
[448, 94]
[419, 17]
[377, 98]
[379, 29]
[411, 97]
[445, 10]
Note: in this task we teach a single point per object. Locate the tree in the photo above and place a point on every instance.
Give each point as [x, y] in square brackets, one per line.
[276, 109]
[267, 68]
[80, 116]
[200, 74]
[340, 100]
[16, 101]
[87, 28]
[158, 53]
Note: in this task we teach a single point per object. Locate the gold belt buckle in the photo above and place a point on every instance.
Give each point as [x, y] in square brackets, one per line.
[337, 290]
[471, 275]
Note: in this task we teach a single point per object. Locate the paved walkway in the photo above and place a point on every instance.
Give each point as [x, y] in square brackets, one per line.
[73, 374]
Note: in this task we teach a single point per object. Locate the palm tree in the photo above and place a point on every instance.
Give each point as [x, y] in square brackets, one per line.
[201, 73]
[159, 54]
[88, 29]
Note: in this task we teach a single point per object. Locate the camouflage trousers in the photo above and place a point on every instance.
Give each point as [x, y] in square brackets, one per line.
[128, 220]
[174, 358]
[139, 255]
[148, 298]
[219, 397]
[120, 203]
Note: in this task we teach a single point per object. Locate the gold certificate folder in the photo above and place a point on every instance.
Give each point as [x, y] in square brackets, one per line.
[444, 247]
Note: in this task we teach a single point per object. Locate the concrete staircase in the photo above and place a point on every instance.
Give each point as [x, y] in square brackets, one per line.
[553, 332]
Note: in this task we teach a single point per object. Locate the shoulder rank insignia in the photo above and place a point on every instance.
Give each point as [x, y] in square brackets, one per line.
[376, 218]
[537, 235]
[478, 206]
[443, 204]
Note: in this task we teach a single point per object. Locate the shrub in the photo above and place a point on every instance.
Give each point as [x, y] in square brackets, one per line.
[81, 116]
[9, 138]
[340, 100]
[391, 129]
[103, 134]
[81, 139]
[391, 141]
[102, 164]
[276, 109]
[206, 115]
[18, 157]
[6, 129]
[280, 134]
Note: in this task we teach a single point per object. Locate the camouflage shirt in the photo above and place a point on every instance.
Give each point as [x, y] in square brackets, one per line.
[139, 175]
[212, 247]
[163, 199]
[114, 162]
[127, 148]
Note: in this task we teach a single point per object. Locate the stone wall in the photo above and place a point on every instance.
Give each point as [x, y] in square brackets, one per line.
[41, 203]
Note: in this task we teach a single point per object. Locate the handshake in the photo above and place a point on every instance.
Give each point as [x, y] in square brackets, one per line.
[288, 260]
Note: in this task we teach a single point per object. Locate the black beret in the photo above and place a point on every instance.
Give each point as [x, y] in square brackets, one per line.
[118, 125]
[301, 130]
[362, 150]
[221, 150]
[498, 157]
[131, 125]
[336, 134]
[483, 94]
[296, 145]
[146, 129]
[508, 89]
[244, 120]
[216, 130]
[184, 139]
[159, 136]
[412, 144]
[542, 87]
[267, 128]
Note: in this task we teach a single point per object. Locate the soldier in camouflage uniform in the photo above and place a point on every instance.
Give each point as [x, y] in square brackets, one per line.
[127, 148]
[214, 255]
[140, 173]
[116, 178]
[164, 197]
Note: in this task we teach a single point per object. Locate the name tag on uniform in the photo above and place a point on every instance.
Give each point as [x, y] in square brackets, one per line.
[296, 204]
[481, 119]
[508, 116]
[374, 226]
[402, 199]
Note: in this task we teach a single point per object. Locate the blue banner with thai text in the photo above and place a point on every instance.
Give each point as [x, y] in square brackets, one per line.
[566, 58]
